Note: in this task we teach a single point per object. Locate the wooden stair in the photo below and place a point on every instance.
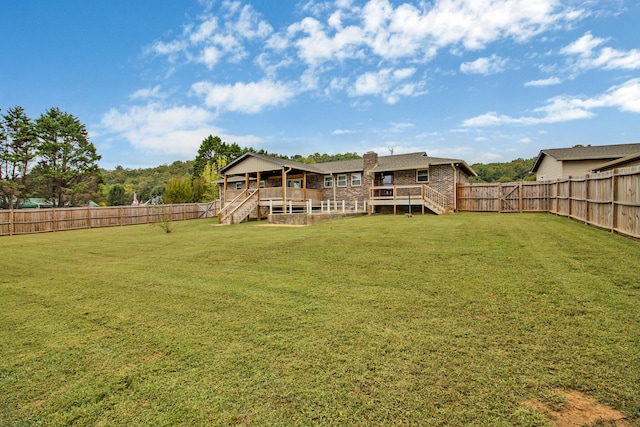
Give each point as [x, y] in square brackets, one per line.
[239, 208]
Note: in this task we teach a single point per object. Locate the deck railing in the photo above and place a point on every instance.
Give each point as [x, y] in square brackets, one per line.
[403, 194]
[275, 194]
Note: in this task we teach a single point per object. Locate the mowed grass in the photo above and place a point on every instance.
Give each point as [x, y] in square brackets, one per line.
[452, 320]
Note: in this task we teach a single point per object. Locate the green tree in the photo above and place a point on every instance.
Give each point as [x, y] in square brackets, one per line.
[17, 150]
[117, 196]
[515, 170]
[178, 190]
[67, 170]
[212, 149]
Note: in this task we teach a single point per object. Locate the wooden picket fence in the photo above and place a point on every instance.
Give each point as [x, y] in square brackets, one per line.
[29, 221]
[609, 200]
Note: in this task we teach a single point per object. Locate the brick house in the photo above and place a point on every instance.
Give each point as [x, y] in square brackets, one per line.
[256, 185]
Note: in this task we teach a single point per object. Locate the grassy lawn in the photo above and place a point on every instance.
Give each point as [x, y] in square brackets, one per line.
[453, 320]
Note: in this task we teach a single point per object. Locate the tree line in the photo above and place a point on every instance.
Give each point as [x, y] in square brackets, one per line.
[50, 157]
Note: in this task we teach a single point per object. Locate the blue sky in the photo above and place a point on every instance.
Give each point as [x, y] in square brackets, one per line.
[479, 80]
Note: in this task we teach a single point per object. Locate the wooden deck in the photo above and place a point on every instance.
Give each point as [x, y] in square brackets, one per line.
[409, 195]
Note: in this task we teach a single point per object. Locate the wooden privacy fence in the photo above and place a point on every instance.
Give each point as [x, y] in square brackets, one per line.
[609, 200]
[28, 221]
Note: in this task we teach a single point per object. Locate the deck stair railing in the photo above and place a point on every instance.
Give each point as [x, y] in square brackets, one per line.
[434, 200]
[239, 208]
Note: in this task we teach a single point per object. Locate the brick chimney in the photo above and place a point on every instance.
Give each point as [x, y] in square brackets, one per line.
[369, 161]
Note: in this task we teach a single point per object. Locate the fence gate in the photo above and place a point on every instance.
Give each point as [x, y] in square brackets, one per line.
[208, 210]
[510, 197]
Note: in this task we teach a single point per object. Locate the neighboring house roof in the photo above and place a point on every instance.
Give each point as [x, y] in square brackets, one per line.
[593, 152]
[384, 164]
[621, 162]
[35, 202]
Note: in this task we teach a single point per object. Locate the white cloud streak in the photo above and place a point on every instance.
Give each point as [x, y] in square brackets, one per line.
[624, 97]
[250, 97]
[551, 81]
[491, 65]
[586, 53]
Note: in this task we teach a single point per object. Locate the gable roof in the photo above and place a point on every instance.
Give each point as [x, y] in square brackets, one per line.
[594, 152]
[277, 162]
[384, 164]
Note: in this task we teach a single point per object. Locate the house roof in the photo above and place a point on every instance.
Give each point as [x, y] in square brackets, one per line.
[417, 161]
[592, 152]
[618, 162]
[276, 161]
[385, 163]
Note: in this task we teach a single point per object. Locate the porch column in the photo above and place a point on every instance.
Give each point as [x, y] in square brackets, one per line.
[246, 181]
[223, 199]
[284, 189]
[258, 187]
[304, 185]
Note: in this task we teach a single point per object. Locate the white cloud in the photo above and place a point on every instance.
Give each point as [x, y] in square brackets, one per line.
[148, 93]
[589, 55]
[216, 37]
[387, 83]
[492, 65]
[250, 97]
[342, 132]
[410, 31]
[624, 97]
[168, 49]
[209, 56]
[551, 81]
[157, 129]
[205, 30]
[584, 46]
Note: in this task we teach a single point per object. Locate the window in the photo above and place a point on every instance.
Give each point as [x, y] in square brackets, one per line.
[238, 186]
[356, 179]
[422, 175]
[342, 180]
[387, 178]
[262, 183]
[294, 183]
[328, 181]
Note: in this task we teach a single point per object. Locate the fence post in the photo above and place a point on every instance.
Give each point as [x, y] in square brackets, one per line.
[614, 205]
[11, 220]
[520, 204]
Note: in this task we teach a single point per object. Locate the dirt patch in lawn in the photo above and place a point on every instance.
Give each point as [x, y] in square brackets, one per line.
[570, 408]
